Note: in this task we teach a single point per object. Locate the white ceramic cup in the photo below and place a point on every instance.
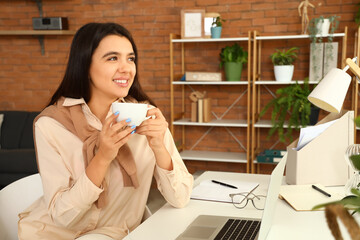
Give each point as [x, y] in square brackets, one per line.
[136, 112]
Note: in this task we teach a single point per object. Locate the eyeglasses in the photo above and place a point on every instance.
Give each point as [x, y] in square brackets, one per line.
[238, 200]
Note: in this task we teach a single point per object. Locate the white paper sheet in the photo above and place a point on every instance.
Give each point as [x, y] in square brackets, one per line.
[210, 191]
[307, 134]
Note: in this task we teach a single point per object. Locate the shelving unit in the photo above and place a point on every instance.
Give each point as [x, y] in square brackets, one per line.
[259, 83]
[179, 121]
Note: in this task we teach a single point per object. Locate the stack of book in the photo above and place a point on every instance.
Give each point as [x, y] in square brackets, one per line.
[201, 110]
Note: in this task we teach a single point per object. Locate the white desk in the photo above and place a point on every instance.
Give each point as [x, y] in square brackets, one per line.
[168, 222]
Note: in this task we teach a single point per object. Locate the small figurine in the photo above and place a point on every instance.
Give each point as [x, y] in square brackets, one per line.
[304, 15]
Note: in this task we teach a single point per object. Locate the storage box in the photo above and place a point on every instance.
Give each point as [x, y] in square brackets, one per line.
[323, 159]
[203, 76]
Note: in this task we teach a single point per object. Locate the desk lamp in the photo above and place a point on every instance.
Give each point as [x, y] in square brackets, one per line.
[329, 95]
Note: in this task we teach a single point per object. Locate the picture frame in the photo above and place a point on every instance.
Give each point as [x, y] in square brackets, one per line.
[192, 23]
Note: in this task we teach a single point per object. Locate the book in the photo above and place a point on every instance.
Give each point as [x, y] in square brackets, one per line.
[200, 110]
[194, 111]
[209, 191]
[207, 110]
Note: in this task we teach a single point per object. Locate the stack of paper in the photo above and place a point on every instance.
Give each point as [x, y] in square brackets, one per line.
[307, 134]
[207, 190]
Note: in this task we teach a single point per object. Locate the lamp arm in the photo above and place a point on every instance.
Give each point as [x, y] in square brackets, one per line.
[353, 67]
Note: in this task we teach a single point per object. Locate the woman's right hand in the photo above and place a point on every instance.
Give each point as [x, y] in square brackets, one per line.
[112, 136]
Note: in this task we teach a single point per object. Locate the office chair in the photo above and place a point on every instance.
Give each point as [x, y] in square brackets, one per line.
[14, 198]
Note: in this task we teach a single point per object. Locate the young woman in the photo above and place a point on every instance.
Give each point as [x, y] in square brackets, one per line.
[97, 172]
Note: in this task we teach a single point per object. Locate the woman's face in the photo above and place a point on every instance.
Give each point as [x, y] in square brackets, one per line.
[112, 69]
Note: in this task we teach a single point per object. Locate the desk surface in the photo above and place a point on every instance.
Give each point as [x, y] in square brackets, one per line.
[168, 222]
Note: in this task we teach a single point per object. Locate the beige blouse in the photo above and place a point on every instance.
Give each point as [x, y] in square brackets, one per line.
[67, 209]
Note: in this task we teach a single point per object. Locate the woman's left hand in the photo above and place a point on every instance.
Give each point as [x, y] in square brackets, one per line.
[154, 129]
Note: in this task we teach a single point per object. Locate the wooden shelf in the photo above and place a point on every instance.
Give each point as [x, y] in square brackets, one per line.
[270, 85]
[184, 124]
[210, 83]
[214, 156]
[297, 36]
[273, 82]
[266, 124]
[36, 32]
[213, 123]
[190, 40]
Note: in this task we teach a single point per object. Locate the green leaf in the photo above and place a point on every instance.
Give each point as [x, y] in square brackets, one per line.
[284, 57]
[350, 202]
[290, 99]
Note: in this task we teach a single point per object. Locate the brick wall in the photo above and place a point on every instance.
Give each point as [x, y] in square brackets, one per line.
[28, 79]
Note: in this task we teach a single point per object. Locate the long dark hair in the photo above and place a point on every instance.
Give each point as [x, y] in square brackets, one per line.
[76, 82]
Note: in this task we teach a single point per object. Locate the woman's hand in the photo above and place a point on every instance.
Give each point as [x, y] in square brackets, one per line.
[154, 129]
[112, 136]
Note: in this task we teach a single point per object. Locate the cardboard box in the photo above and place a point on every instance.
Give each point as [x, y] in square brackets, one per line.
[322, 160]
[203, 76]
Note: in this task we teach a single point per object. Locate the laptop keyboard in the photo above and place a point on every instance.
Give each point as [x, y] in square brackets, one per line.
[235, 229]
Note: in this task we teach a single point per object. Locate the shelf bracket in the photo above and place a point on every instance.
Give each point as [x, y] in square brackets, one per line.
[39, 5]
[42, 45]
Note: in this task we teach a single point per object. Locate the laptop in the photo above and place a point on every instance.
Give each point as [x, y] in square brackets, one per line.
[208, 227]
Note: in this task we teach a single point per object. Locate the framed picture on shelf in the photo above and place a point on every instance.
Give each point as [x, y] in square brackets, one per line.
[192, 23]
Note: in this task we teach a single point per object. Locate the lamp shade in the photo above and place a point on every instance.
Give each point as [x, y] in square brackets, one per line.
[330, 93]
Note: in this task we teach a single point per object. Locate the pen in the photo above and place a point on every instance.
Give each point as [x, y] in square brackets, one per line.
[320, 190]
[224, 184]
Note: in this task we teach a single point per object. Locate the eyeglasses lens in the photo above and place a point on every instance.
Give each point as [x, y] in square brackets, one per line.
[259, 202]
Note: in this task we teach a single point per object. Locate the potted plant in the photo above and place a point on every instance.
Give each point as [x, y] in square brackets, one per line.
[216, 27]
[341, 209]
[291, 99]
[357, 15]
[283, 64]
[232, 58]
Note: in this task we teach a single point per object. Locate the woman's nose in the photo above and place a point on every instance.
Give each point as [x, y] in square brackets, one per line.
[123, 66]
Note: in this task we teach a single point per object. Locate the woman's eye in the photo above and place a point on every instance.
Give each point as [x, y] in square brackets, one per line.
[132, 59]
[113, 58]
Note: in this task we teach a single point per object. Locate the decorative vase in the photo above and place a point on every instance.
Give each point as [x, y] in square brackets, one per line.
[323, 26]
[216, 32]
[316, 61]
[233, 71]
[283, 73]
[330, 56]
[352, 156]
[314, 115]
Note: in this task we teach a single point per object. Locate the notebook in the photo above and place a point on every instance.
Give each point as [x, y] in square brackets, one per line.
[206, 227]
[304, 197]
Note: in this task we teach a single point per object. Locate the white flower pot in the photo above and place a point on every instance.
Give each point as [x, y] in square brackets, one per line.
[323, 27]
[283, 73]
